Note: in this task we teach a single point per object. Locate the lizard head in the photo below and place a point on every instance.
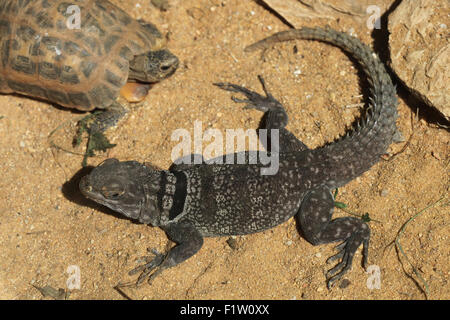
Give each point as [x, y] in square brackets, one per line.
[125, 187]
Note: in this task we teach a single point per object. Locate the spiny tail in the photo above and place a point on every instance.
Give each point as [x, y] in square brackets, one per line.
[356, 152]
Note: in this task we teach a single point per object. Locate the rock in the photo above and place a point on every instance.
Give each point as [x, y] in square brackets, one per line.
[420, 51]
[297, 11]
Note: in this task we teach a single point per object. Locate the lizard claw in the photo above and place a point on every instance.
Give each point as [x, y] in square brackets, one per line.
[254, 100]
[153, 262]
[346, 253]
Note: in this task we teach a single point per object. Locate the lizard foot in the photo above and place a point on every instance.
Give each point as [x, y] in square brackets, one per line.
[254, 100]
[346, 252]
[153, 265]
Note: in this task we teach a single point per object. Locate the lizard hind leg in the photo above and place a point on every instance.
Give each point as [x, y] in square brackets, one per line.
[268, 103]
[275, 116]
[315, 222]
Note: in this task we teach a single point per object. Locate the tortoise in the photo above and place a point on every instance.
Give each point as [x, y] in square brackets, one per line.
[46, 54]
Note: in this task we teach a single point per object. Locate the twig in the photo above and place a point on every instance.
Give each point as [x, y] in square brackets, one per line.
[397, 242]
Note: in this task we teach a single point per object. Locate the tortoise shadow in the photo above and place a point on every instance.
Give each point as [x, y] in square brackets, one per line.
[43, 100]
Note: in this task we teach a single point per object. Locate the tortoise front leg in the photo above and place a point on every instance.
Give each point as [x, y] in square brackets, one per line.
[95, 124]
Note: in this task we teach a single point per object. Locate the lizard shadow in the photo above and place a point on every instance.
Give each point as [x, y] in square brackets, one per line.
[71, 191]
[414, 102]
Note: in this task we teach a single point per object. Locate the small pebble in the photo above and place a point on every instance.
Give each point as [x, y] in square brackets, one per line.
[232, 243]
[297, 72]
[344, 283]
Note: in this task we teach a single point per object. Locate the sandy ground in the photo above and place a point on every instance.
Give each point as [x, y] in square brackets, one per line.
[46, 225]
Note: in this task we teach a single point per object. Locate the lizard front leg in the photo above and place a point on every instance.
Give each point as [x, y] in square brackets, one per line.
[188, 240]
[315, 221]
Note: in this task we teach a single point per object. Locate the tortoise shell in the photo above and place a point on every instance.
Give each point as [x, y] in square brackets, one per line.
[43, 55]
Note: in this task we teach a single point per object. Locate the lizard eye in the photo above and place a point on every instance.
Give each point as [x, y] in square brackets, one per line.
[112, 192]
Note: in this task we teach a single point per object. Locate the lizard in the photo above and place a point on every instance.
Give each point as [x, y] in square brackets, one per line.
[193, 201]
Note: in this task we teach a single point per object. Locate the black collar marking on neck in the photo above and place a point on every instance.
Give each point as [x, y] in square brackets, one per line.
[179, 197]
[162, 189]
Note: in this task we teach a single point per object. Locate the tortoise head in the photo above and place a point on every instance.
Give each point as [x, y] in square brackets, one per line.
[153, 66]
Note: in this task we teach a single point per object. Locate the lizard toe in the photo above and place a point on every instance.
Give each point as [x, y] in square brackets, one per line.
[150, 269]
